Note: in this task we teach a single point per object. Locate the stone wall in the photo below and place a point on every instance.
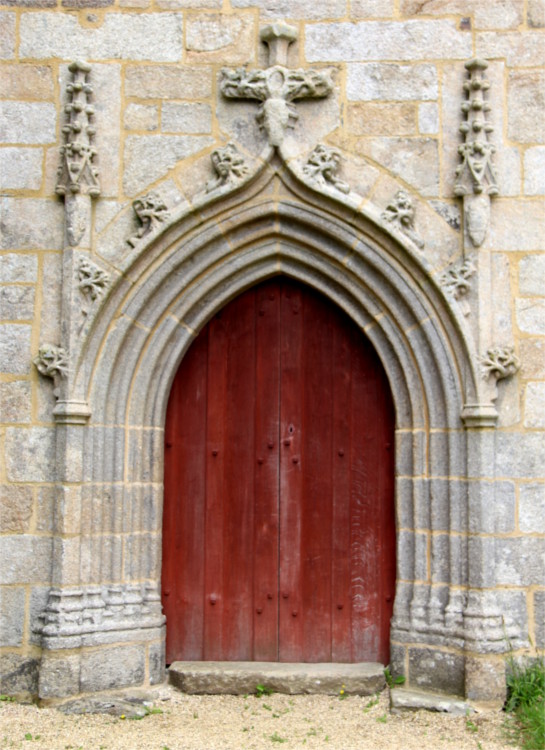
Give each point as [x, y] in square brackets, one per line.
[397, 68]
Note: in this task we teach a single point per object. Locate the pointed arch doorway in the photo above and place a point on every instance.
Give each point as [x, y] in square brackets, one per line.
[279, 523]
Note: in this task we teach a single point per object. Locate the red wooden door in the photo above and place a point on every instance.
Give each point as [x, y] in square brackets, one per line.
[279, 528]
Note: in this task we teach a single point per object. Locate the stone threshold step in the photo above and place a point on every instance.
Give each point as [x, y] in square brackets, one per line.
[243, 677]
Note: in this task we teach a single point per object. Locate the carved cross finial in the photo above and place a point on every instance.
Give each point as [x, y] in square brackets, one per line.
[278, 37]
[277, 86]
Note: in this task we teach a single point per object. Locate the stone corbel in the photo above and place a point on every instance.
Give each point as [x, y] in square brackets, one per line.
[52, 362]
[322, 167]
[229, 166]
[151, 211]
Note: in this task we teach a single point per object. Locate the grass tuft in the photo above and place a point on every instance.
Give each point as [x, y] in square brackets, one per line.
[526, 701]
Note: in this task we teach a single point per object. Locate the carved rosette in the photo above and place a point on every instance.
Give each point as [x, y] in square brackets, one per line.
[52, 362]
[400, 212]
[499, 362]
[322, 167]
[475, 176]
[229, 165]
[456, 281]
[151, 211]
[77, 172]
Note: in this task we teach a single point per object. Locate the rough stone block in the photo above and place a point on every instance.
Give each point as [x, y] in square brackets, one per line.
[532, 275]
[531, 316]
[15, 508]
[383, 40]
[121, 36]
[519, 50]
[372, 8]
[534, 171]
[526, 215]
[110, 668]
[17, 267]
[30, 454]
[149, 157]
[186, 117]
[534, 405]
[493, 14]
[485, 680]
[59, 677]
[526, 101]
[532, 508]
[50, 323]
[513, 605]
[15, 401]
[307, 9]
[521, 455]
[373, 118]
[12, 617]
[26, 81]
[15, 348]
[491, 507]
[16, 302]
[157, 661]
[27, 122]
[20, 168]
[7, 35]
[536, 14]
[173, 82]
[141, 117]
[414, 160]
[39, 597]
[520, 561]
[403, 699]
[215, 37]
[31, 223]
[19, 675]
[428, 118]
[26, 559]
[436, 670]
[539, 613]
[532, 356]
[390, 82]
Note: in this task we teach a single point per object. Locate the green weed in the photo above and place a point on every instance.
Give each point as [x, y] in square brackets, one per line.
[277, 738]
[261, 690]
[392, 681]
[526, 701]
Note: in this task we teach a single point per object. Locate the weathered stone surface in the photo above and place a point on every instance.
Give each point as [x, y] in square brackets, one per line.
[59, 677]
[121, 36]
[238, 678]
[532, 508]
[536, 14]
[294, 8]
[19, 675]
[15, 401]
[15, 508]
[373, 118]
[187, 117]
[27, 122]
[30, 223]
[20, 168]
[498, 501]
[532, 356]
[112, 668]
[149, 157]
[520, 454]
[12, 616]
[388, 40]
[534, 171]
[141, 117]
[534, 405]
[7, 35]
[175, 82]
[526, 103]
[404, 699]
[15, 348]
[539, 610]
[16, 302]
[190, 4]
[30, 454]
[519, 51]
[26, 559]
[415, 160]
[531, 316]
[526, 215]
[111, 705]
[437, 670]
[494, 14]
[485, 680]
[428, 118]
[216, 37]
[86, 3]
[520, 561]
[372, 8]
[50, 323]
[18, 267]
[390, 82]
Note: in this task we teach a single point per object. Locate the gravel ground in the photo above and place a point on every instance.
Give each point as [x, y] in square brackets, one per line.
[189, 722]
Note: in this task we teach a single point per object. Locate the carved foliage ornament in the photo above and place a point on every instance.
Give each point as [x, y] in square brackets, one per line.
[229, 166]
[400, 211]
[52, 362]
[92, 280]
[150, 211]
[322, 166]
[500, 362]
[77, 172]
[456, 281]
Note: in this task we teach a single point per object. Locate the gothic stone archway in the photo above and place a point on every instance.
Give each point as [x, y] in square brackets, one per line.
[107, 568]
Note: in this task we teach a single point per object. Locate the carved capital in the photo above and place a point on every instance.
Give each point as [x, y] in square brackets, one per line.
[322, 166]
[400, 211]
[151, 211]
[499, 362]
[229, 165]
[52, 362]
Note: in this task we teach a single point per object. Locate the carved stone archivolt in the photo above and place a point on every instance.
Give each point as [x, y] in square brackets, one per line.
[52, 362]
[151, 211]
[499, 362]
[322, 166]
[229, 165]
[475, 176]
[277, 87]
[400, 212]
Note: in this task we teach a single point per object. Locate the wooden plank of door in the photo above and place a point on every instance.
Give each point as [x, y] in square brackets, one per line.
[266, 467]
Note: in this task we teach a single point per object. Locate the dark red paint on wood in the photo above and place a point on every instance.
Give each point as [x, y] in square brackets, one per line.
[279, 526]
